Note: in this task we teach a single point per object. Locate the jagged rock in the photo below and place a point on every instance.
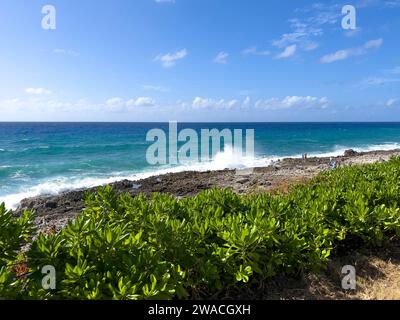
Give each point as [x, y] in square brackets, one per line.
[350, 153]
[243, 180]
[266, 183]
[51, 204]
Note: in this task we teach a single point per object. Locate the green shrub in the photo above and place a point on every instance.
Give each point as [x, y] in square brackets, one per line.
[124, 247]
[14, 232]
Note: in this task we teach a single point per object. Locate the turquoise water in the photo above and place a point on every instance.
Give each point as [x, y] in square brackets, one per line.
[47, 158]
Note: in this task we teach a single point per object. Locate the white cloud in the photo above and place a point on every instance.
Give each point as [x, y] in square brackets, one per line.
[338, 55]
[141, 102]
[303, 33]
[39, 104]
[287, 52]
[299, 102]
[378, 81]
[119, 104]
[347, 53]
[392, 4]
[312, 22]
[246, 102]
[169, 60]
[305, 29]
[8, 104]
[221, 58]
[254, 51]
[309, 46]
[203, 103]
[303, 102]
[114, 101]
[373, 44]
[353, 33]
[392, 102]
[37, 91]
[207, 103]
[67, 52]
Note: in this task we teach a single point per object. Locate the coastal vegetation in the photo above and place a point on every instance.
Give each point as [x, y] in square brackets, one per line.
[161, 247]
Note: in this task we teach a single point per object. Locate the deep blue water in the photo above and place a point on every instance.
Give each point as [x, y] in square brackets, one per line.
[38, 158]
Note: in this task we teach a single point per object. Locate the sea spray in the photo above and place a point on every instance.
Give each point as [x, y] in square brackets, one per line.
[194, 149]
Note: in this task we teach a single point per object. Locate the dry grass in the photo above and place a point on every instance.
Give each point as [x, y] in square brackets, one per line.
[377, 271]
[378, 277]
[385, 287]
[284, 186]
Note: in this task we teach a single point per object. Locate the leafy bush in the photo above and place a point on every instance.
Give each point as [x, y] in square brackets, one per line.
[124, 247]
[14, 231]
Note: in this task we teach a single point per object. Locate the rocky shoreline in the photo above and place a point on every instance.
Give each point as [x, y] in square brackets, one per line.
[53, 212]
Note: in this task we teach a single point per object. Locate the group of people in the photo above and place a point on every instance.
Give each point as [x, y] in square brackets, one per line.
[333, 164]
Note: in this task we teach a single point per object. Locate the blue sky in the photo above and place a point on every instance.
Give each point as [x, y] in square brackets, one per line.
[199, 60]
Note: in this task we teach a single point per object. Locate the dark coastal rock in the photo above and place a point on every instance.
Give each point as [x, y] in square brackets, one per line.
[243, 180]
[51, 204]
[266, 183]
[350, 153]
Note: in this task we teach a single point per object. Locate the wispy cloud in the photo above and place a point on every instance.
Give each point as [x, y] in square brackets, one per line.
[255, 52]
[114, 102]
[66, 52]
[393, 102]
[308, 26]
[155, 88]
[301, 102]
[169, 60]
[378, 81]
[42, 104]
[118, 104]
[391, 4]
[386, 77]
[302, 33]
[287, 52]
[353, 33]
[141, 102]
[37, 91]
[47, 104]
[373, 44]
[207, 103]
[221, 58]
[351, 52]
[325, 14]
[309, 46]
[121, 105]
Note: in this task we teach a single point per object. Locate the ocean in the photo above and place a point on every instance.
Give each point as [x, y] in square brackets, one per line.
[48, 158]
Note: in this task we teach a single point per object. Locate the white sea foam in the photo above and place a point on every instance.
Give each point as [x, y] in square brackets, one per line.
[229, 159]
[339, 150]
